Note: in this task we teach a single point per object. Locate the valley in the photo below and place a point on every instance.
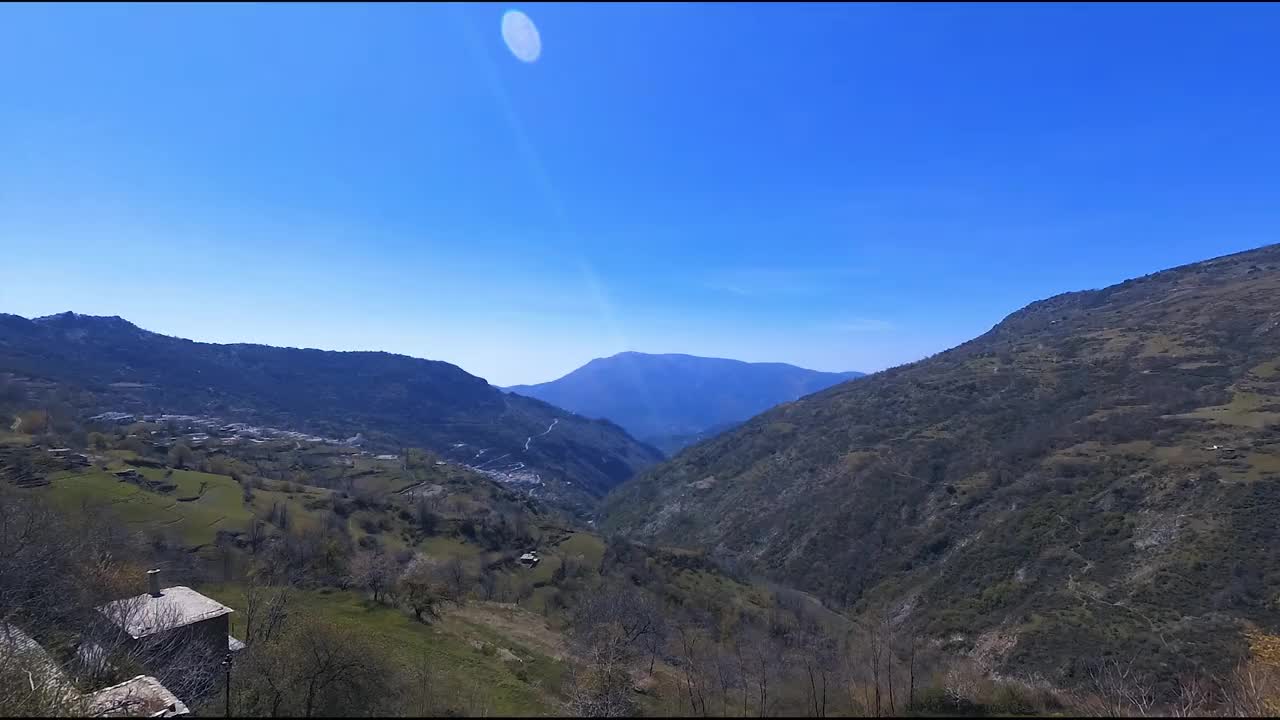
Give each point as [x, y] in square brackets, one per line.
[1073, 505]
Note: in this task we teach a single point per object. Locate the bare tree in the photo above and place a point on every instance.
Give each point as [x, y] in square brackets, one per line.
[1119, 689]
[265, 609]
[1194, 697]
[310, 668]
[257, 534]
[488, 583]
[636, 615]
[600, 684]
[457, 580]
[762, 662]
[1252, 689]
[911, 671]
[691, 652]
[421, 689]
[611, 630]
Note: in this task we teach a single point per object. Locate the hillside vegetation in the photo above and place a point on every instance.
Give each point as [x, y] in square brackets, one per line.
[1097, 476]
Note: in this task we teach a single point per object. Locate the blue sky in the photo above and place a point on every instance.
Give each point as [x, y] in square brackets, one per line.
[839, 187]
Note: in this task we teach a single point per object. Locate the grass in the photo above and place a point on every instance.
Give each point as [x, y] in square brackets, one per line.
[1242, 411]
[194, 514]
[446, 647]
[197, 521]
[589, 546]
[1267, 370]
[12, 438]
[1262, 464]
[202, 504]
[1164, 345]
[447, 547]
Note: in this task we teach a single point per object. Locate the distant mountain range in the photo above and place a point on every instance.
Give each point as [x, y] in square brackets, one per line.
[1096, 476]
[109, 364]
[673, 400]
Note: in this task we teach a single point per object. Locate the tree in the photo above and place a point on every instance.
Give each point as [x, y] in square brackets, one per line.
[428, 521]
[1120, 688]
[422, 586]
[600, 684]
[609, 629]
[312, 668]
[374, 573]
[257, 533]
[690, 644]
[488, 583]
[762, 657]
[265, 609]
[632, 611]
[181, 455]
[457, 580]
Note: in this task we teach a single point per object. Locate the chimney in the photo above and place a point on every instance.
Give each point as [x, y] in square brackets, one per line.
[153, 582]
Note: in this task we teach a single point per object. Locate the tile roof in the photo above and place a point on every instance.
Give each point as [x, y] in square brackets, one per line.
[139, 696]
[177, 606]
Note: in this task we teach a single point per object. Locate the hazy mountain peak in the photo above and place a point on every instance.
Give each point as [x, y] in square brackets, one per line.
[664, 398]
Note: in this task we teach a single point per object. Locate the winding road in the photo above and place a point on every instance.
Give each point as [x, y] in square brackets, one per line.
[531, 437]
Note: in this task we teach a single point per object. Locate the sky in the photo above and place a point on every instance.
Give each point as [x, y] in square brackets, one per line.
[838, 187]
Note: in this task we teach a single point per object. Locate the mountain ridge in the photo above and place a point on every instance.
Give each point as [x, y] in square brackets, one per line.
[676, 397]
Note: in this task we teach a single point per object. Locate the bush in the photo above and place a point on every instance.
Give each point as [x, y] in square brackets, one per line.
[1008, 698]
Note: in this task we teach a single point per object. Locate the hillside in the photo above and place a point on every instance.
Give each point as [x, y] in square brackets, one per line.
[1099, 473]
[675, 399]
[109, 364]
[672, 444]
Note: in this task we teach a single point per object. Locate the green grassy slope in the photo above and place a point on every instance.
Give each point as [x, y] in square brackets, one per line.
[462, 652]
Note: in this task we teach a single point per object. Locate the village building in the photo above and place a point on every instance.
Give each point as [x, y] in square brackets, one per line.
[177, 616]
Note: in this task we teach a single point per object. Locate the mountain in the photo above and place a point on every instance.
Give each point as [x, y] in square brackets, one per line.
[1096, 476]
[110, 364]
[664, 398]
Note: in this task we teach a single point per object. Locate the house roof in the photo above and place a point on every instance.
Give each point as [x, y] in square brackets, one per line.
[31, 657]
[140, 696]
[177, 606]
